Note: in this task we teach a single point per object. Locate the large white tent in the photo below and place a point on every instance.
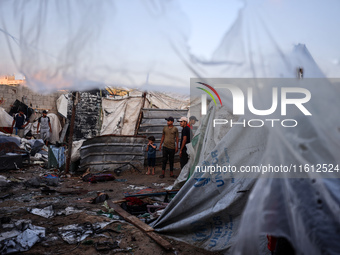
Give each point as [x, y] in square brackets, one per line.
[233, 213]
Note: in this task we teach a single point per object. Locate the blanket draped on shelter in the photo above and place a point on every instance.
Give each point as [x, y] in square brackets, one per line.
[120, 115]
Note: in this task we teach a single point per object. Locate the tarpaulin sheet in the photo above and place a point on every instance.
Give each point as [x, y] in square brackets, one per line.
[6, 120]
[76, 145]
[120, 115]
[62, 103]
[21, 237]
[210, 210]
[207, 210]
[167, 100]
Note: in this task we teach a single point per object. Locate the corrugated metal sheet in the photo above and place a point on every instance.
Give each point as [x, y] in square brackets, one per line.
[112, 151]
[153, 122]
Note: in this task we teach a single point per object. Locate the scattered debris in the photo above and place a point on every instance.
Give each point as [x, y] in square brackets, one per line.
[46, 212]
[49, 212]
[151, 194]
[101, 197]
[93, 178]
[141, 225]
[20, 236]
[75, 233]
[68, 211]
[6, 196]
[121, 180]
[37, 182]
[159, 184]
[138, 187]
[109, 215]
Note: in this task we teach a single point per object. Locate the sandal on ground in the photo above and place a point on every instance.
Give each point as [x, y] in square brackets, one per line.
[147, 173]
[161, 176]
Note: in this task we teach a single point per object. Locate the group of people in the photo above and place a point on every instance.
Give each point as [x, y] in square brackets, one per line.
[169, 145]
[20, 121]
[169, 141]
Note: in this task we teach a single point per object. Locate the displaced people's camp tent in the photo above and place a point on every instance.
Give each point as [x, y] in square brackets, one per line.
[233, 213]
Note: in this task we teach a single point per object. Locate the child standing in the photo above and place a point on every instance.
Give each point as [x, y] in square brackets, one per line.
[151, 149]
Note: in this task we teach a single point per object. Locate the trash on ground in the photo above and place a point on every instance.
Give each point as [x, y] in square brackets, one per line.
[159, 184]
[68, 211]
[46, 212]
[78, 232]
[20, 236]
[93, 178]
[101, 197]
[121, 180]
[37, 182]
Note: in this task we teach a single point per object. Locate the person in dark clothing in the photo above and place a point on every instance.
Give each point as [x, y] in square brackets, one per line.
[185, 139]
[19, 120]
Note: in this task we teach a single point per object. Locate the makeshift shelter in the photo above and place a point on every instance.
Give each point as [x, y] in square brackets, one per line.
[126, 123]
[233, 213]
[5, 119]
[123, 115]
[211, 210]
[111, 152]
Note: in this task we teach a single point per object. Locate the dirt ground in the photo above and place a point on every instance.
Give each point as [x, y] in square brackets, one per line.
[17, 197]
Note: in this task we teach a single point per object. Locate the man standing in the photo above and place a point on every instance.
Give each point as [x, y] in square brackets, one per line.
[169, 137]
[192, 121]
[185, 139]
[45, 128]
[19, 120]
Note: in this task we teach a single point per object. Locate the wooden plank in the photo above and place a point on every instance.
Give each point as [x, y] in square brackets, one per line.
[130, 218]
[141, 225]
[119, 201]
[158, 239]
[63, 132]
[159, 193]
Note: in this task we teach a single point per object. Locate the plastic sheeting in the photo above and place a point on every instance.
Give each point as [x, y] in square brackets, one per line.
[120, 116]
[234, 213]
[75, 155]
[304, 211]
[6, 120]
[20, 236]
[76, 233]
[251, 48]
[167, 101]
[62, 103]
[209, 211]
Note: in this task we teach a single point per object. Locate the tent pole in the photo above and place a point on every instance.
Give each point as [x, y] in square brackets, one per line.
[70, 139]
[140, 114]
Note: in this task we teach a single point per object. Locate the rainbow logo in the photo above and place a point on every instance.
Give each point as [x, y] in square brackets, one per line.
[209, 93]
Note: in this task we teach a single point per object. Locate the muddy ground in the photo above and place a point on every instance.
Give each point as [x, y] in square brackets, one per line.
[19, 195]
